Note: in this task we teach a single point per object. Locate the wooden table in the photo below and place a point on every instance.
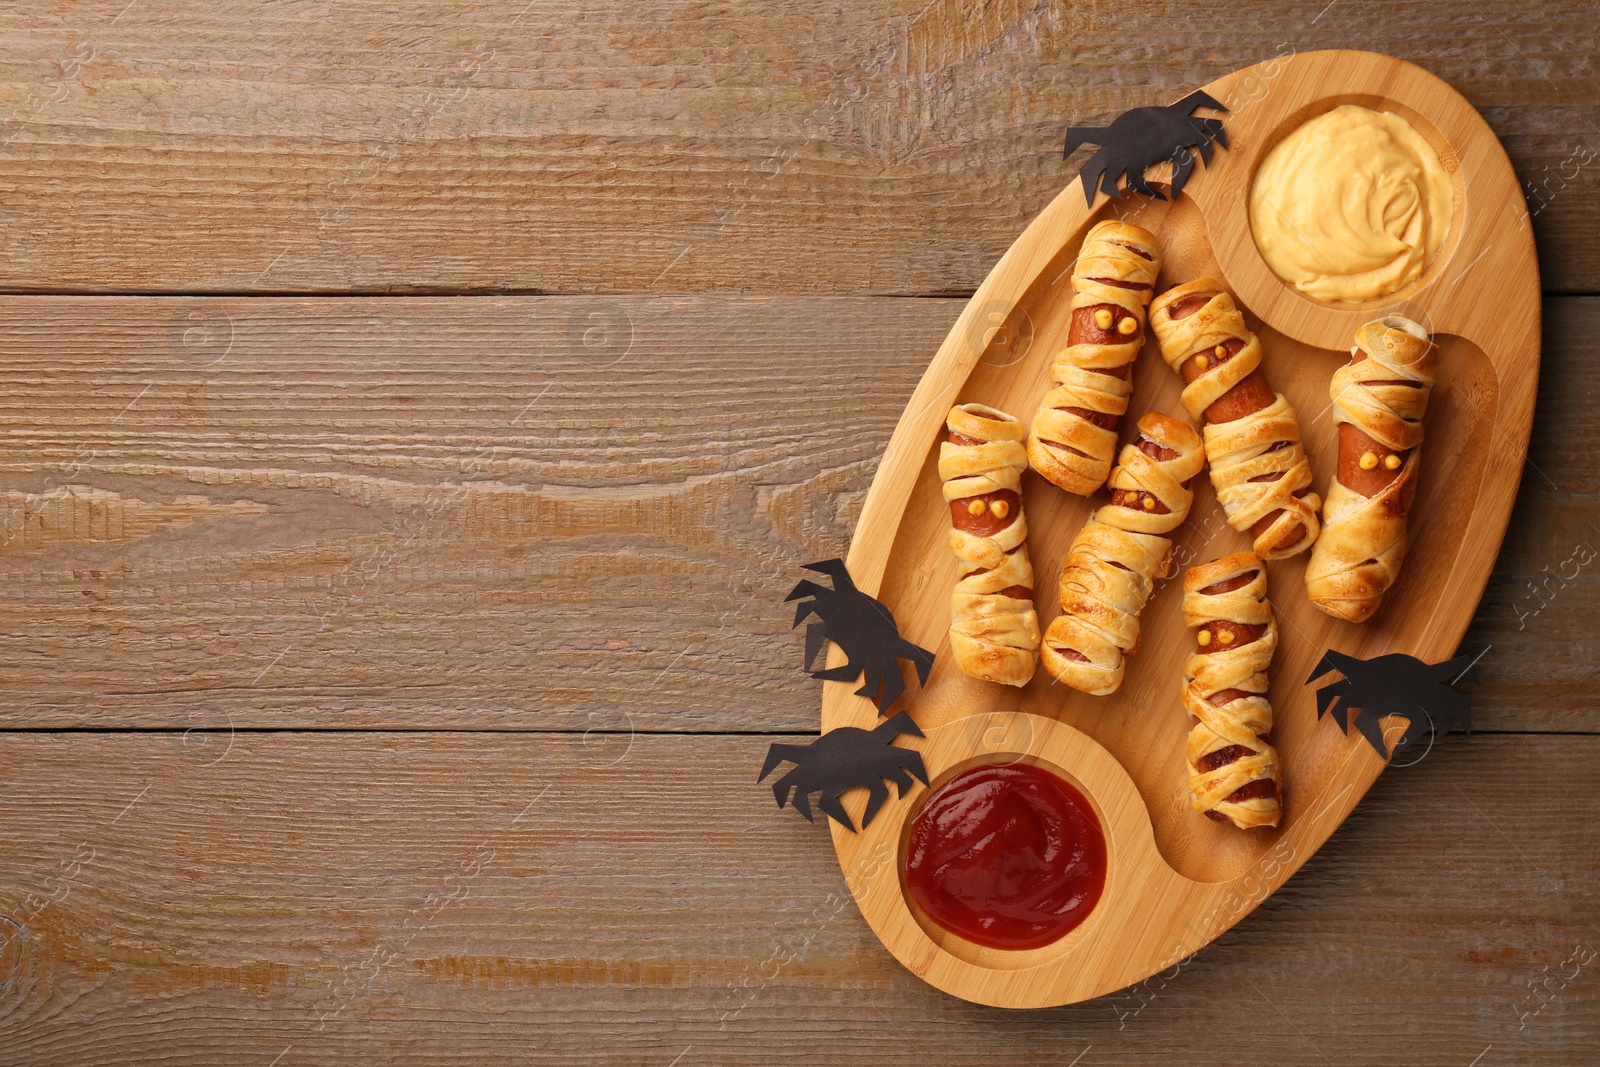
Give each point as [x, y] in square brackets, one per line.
[413, 417]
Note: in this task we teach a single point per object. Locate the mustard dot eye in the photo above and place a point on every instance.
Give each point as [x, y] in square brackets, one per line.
[1225, 637]
[1391, 462]
[1000, 508]
[975, 508]
[1149, 503]
[1202, 362]
[1128, 326]
[1102, 319]
[1204, 638]
[1369, 461]
[1221, 352]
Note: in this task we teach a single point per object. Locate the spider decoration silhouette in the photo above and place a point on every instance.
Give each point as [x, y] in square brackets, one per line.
[1395, 684]
[844, 759]
[863, 628]
[1142, 138]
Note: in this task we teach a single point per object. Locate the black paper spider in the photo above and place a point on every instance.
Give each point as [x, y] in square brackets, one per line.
[845, 759]
[1395, 684]
[1144, 137]
[863, 628]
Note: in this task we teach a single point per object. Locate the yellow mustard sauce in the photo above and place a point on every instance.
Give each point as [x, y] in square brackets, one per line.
[1352, 205]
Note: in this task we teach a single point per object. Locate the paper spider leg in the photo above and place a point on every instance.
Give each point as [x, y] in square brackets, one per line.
[1198, 98]
[835, 569]
[900, 777]
[1078, 136]
[1182, 166]
[1372, 730]
[910, 766]
[884, 687]
[877, 793]
[919, 656]
[816, 637]
[1214, 131]
[804, 608]
[1108, 184]
[1091, 178]
[846, 673]
[776, 754]
[829, 803]
[899, 723]
[1417, 724]
[801, 802]
[1137, 183]
[782, 788]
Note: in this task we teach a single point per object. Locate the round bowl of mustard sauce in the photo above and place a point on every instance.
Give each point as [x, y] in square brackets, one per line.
[1351, 206]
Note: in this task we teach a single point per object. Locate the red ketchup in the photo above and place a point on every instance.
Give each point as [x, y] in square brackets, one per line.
[1007, 856]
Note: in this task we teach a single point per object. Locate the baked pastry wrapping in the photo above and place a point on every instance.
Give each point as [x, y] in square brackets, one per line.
[1379, 398]
[994, 631]
[1074, 433]
[1258, 465]
[1114, 561]
[1234, 771]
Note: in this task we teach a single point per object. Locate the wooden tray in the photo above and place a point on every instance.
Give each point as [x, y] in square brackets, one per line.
[1177, 880]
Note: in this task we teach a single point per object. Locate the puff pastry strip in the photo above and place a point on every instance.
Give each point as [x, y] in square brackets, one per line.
[1258, 465]
[1074, 432]
[1234, 771]
[994, 630]
[1114, 561]
[1379, 398]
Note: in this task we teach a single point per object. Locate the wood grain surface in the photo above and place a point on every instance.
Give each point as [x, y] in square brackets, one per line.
[385, 676]
[648, 145]
[533, 513]
[441, 898]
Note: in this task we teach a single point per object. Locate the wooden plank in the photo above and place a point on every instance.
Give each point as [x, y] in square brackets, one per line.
[435, 898]
[528, 513]
[628, 146]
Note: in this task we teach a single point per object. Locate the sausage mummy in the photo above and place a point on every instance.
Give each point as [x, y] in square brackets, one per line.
[994, 630]
[1233, 770]
[1113, 562]
[1258, 466]
[1379, 398]
[1074, 433]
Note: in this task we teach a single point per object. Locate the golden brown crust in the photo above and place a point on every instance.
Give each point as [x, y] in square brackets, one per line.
[1114, 561]
[1258, 465]
[1384, 395]
[993, 634]
[1225, 689]
[1091, 374]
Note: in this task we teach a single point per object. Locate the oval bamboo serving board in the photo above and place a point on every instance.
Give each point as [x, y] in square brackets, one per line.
[1177, 880]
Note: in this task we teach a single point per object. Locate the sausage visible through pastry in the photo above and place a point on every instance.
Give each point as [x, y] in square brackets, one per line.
[1250, 395]
[1211, 638]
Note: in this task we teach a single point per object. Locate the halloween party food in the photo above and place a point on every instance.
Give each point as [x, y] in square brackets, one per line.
[1114, 561]
[1007, 856]
[1233, 769]
[994, 631]
[1353, 205]
[1074, 433]
[1176, 880]
[1258, 466]
[1379, 398]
